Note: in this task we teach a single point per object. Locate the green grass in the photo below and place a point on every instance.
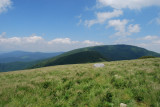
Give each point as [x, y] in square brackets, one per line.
[135, 83]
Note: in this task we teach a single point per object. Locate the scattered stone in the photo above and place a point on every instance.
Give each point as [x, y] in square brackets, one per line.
[123, 105]
[99, 65]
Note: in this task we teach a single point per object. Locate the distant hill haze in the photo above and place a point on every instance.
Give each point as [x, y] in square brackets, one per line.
[19, 60]
[104, 52]
[21, 56]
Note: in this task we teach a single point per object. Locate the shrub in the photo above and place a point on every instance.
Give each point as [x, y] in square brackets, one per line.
[107, 97]
[138, 94]
[145, 57]
[46, 84]
[97, 74]
[64, 79]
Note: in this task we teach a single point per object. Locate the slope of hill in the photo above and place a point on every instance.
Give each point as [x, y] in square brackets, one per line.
[75, 58]
[134, 82]
[25, 56]
[110, 52]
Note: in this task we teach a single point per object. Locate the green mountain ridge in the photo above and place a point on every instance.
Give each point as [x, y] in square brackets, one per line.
[75, 58]
[109, 52]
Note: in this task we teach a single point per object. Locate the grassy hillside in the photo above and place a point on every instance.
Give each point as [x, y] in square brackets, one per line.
[110, 52]
[75, 58]
[135, 83]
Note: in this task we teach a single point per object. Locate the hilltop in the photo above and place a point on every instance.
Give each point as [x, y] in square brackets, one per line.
[133, 82]
[108, 52]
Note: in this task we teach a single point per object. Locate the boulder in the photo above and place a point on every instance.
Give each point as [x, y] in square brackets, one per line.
[99, 65]
[123, 105]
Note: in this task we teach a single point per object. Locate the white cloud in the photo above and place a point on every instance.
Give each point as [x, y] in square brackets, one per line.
[101, 17]
[121, 27]
[4, 5]
[131, 4]
[62, 41]
[150, 42]
[91, 43]
[149, 37]
[38, 43]
[133, 28]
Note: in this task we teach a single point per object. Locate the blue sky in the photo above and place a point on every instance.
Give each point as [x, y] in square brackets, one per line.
[62, 25]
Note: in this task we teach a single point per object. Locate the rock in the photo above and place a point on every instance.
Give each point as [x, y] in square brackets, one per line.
[99, 65]
[123, 105]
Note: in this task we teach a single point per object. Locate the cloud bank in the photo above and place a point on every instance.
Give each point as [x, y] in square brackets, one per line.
[38, 43]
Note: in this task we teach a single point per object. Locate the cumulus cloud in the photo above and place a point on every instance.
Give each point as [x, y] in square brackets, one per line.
[120, 27]
[131, 4]
[151, 39]
[91, 43]
[38, 43]
[151, 42]
[133, 28]
[4, 5]
[63, 41]
[101, 17]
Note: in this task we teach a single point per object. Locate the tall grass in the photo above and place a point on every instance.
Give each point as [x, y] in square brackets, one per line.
[135, 83]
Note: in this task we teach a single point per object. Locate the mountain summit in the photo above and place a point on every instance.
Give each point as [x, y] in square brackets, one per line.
[98, 53]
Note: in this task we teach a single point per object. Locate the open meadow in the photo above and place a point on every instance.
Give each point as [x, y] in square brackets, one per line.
[133, 82]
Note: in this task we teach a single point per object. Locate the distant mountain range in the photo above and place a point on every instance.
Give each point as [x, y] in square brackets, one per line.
[20, 56]
[99, 53]
[18, 60]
